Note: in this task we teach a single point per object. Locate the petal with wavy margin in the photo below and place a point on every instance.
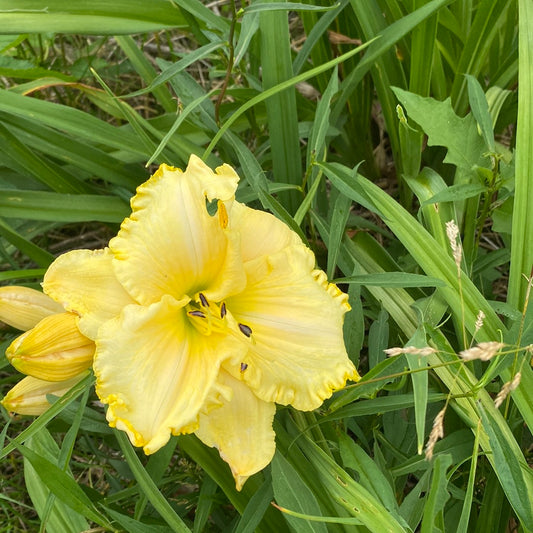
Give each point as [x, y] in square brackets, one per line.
[171, 244]
[155, 370]
[241, 430]
[297, 355]
[84, 282]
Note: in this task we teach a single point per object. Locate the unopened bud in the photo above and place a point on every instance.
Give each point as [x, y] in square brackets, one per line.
[54, 350]
[23, 308]
[28, 396]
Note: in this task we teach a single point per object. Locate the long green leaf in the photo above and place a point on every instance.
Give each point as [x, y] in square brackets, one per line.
[522, 231]
[98, 17]
[148, 487]
[43, 205]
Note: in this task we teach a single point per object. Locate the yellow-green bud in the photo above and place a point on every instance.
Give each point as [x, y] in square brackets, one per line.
[54, 350]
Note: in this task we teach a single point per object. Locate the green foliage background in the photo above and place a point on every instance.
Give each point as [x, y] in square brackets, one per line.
[365, 126]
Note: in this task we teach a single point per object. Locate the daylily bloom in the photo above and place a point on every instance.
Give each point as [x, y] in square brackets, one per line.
[52, 353]
[202, 322]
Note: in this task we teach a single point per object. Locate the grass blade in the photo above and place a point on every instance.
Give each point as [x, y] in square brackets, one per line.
[522, 229]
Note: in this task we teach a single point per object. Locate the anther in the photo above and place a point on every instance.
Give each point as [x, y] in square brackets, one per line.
[199, 314]
[245, 330]
[244, 366]
[203, 300]
[223, 310]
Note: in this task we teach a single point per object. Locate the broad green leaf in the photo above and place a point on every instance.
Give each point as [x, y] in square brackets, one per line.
[443, 127]
[63, 486]
[134, 526]
[348, 493]
[510, 468]
[378, 338]
[256, 508]
[419, 378]
[412, 507]
[433, 520]
[292, 493]
[369, 474]
[480, 110]
[456, 193]
[61, 518]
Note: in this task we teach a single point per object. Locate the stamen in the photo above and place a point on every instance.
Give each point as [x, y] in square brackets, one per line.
[222, 215]
[244, 366]
[203, 300]
[245, 330]
[199, 314]
[223, 310]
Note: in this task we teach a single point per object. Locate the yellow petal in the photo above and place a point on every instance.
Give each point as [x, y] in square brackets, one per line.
[154, 369]
[28, 396]
[84, 282]
[23, 308]
[261, 233]
[170, 244]
[297, 354]
[241, 430]
[54, 350]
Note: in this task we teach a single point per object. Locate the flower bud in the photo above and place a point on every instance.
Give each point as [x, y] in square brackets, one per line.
[28, 396]
[54, 350]
[23, 308]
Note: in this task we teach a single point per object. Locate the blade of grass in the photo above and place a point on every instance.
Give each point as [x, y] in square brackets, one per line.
[98, 17]
[485, 27]
[145, 69]
[148, 487]
[44, 205]
[281, 107]
[522, 228]
[274, 90]
[48, 415]
[387, 38]
[28, 248]
[30, 163]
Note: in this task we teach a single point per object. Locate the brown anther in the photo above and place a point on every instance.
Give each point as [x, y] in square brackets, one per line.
[203, 300]
[245, 330]
[244, 366]
[223, 310]
[199, 314]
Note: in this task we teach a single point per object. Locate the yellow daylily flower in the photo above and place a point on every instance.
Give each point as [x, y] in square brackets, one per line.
[23, 307]
[28, 396]
[202, 323]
